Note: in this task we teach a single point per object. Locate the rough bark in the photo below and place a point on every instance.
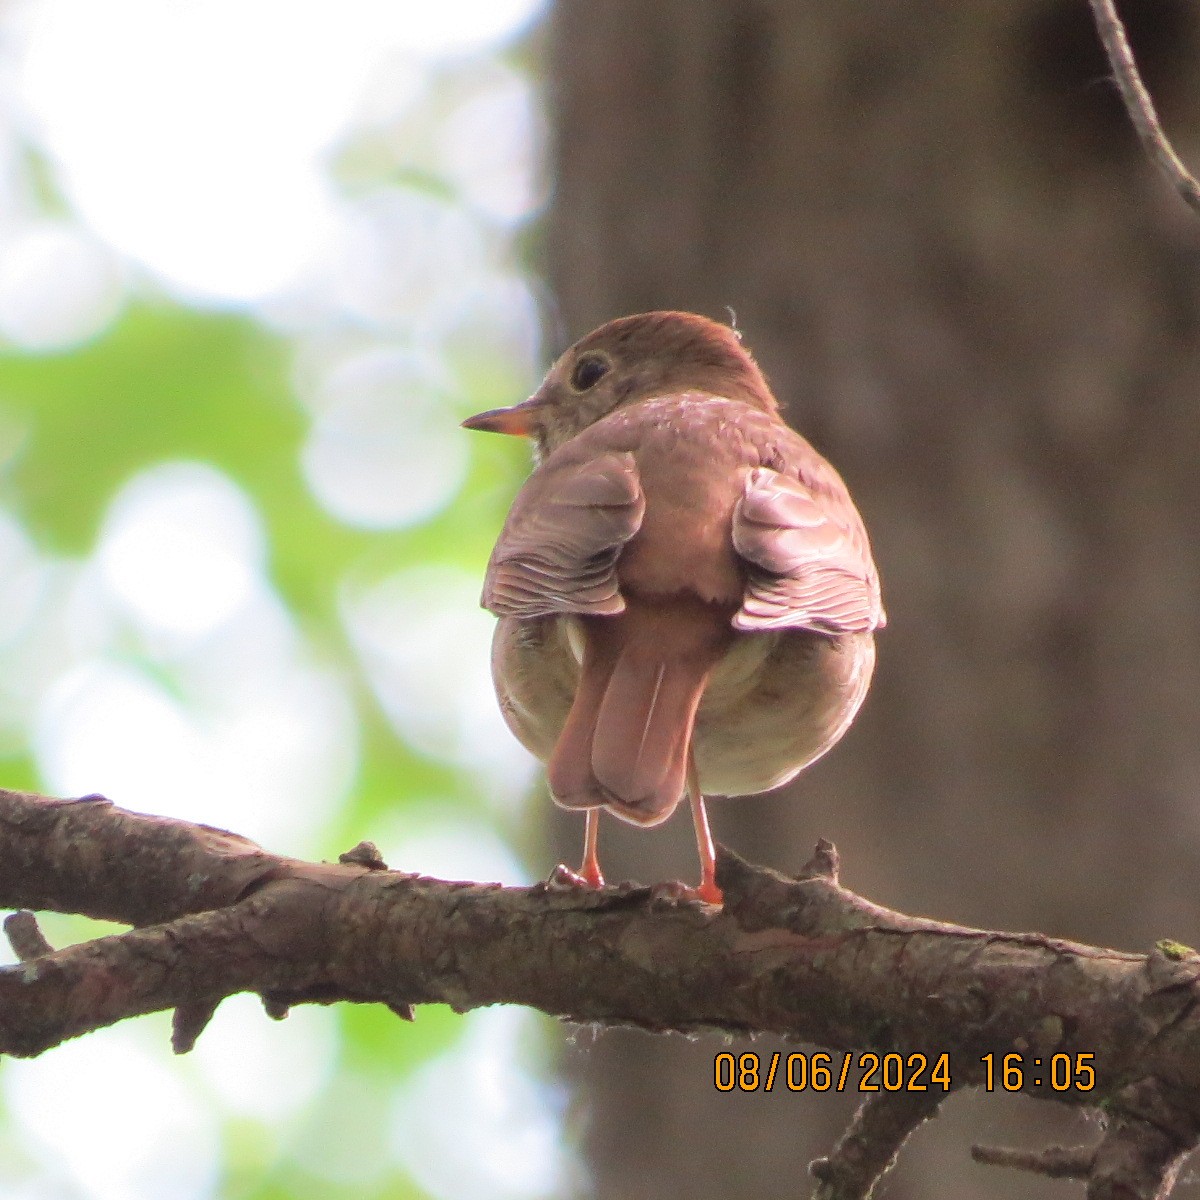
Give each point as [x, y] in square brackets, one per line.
[976, 297]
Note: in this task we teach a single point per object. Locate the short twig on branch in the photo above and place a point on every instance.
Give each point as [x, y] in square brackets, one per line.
[1138, 103]
[25, 936]
[1054, 1162]
[869, 1146]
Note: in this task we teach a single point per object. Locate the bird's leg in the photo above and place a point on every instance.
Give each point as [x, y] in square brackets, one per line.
[708, 890]
[589, 871]
[588, 875]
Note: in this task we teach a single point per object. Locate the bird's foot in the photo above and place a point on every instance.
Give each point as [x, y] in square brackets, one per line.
[708, 893]
[674, 890]
[563, 879]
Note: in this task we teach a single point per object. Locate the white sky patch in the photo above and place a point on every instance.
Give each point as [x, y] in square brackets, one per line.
[488, 150]
[59, 286]
[39, 637]
[425, 644]
[448, 845]
[402, 259]
[384, 450]
[255, 741]
[194, 135]
[474, 1122]
[495, 339]
[450, 27]
[182, 548]
[282, 752]
[212, 187]
[25, 579]
[263, 1069]
[115, 1118]
[105, 727]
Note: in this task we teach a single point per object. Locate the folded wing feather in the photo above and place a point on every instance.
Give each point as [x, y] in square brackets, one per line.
[809, 563]
[559, 547]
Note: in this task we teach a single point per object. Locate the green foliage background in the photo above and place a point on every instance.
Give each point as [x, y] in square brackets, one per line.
[167, 383]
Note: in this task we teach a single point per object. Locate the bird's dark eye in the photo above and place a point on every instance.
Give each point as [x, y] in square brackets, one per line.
[588, 372]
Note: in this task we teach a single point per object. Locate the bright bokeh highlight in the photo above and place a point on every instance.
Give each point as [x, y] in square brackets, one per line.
[77, 1105]
[381, 453]
[59, 286]
[473, 1123]
[201, 152]
[425, 645]
[181, 549]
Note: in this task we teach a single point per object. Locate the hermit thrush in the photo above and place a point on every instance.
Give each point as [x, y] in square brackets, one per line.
[685, 589]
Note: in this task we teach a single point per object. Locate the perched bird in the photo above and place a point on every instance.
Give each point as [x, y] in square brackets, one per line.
[685, 589]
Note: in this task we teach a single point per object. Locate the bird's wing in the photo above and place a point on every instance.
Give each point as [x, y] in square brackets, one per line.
[809, 560]
[559, 547]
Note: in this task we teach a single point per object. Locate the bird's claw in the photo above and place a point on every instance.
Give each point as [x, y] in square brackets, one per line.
[563, 879]
[674, 890]
[708, 893]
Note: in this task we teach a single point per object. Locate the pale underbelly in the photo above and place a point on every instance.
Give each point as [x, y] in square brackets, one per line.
[775, 703]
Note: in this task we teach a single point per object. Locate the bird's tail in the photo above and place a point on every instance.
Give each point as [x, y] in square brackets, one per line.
[625, 742]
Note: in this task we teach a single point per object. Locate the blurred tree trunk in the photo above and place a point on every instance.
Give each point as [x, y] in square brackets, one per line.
[975, 296]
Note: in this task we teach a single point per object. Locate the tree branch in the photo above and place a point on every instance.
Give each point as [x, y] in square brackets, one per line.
[1139, 104]
[868, 1148]
[803, 959]
[1054, 1162]
[25, 936]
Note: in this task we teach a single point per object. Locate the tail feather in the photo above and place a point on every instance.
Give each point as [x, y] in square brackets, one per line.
[625, 743]
[643, 730]
[573, 783]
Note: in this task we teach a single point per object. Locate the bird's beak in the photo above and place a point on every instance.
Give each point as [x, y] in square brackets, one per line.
[517, 420]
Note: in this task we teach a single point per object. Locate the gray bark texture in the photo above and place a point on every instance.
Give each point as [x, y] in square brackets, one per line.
[973, 293]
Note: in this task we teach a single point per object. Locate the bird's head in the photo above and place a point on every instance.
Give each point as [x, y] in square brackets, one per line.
[628, 360]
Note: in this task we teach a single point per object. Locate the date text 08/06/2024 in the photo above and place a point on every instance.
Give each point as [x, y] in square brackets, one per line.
[823, 1072]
